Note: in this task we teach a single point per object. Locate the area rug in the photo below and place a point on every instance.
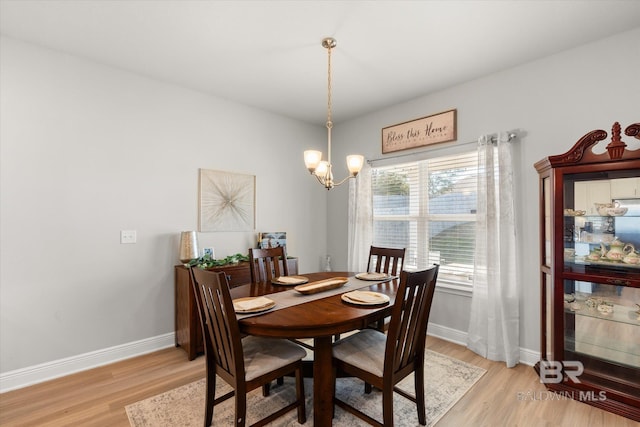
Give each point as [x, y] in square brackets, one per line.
[446, 381]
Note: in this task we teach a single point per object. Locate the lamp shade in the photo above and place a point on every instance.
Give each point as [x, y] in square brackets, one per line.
[188, 246]
[354, 163]
[322, 168]
[311, 159]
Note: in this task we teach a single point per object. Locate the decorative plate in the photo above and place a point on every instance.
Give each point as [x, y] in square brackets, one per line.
[289, 280]
[373, 276]
[365, 298]
[252, 304]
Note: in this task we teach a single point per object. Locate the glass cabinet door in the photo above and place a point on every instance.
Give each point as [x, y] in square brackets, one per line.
[601, 234]
[602, 323]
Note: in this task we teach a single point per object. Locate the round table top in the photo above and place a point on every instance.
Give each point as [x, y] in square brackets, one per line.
[320, 317]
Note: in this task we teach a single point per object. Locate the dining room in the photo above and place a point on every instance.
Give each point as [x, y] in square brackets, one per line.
[102, 170]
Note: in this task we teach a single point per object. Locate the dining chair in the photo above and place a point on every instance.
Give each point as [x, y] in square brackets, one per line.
[384, 360]
[385, 260]
[266, 264]
[244, 363]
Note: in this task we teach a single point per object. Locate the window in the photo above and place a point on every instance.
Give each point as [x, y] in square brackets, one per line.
[429, 208]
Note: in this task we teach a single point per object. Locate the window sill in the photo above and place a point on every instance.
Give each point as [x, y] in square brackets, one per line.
[454, 288]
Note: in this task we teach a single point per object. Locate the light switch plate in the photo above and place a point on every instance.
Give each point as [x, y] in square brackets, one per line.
[127, 236]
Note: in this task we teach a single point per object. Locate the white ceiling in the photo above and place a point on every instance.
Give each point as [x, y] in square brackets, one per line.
[268, 53]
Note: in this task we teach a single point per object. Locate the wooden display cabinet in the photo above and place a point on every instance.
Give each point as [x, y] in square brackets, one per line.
[590, 272]
[187, 324]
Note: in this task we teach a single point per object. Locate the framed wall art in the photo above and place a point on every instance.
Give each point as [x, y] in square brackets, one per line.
[272, 239]
[227, 201]
[428, 130]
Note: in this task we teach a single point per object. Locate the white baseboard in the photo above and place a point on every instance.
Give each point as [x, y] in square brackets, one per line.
[24, 377]
[447, 334]
[527, 357]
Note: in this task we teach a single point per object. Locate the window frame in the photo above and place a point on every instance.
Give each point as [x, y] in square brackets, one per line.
[423, 218]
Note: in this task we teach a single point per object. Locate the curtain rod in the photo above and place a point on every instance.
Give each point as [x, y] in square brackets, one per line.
[512, 135]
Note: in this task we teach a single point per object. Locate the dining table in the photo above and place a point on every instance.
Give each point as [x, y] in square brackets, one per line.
[320, 318]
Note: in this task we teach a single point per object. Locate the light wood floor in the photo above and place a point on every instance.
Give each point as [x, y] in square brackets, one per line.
[503, 397]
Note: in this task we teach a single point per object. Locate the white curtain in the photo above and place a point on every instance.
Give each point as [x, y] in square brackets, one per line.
[494, 320]
[360, 220]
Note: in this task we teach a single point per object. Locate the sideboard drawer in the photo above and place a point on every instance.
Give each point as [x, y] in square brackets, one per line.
[237, 274]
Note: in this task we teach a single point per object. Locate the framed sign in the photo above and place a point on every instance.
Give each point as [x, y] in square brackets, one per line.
[428, 130]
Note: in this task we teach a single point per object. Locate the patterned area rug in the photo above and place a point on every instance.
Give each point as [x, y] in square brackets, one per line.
[447, 380]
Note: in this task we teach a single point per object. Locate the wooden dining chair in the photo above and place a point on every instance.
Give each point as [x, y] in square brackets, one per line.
[244, 363]
[268, 264]
[386, 260]
[384, 360]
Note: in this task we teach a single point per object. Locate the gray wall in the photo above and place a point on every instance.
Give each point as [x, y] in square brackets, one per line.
[87, 151]
[553, 101]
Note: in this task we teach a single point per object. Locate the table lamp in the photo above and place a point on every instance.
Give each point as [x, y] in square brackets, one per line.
[188, 246]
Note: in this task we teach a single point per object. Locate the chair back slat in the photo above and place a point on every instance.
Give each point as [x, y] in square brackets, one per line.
[218, 329]
[268, 264]
[221, 333]
[407, 330]
[386, 260]
[409, 317]
[414, 329]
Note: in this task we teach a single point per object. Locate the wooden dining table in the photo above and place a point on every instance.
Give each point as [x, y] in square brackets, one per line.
[319, 319]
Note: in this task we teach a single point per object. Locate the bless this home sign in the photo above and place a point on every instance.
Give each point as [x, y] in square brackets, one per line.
[428, 130]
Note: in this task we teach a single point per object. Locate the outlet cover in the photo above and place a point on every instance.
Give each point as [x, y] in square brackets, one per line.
[127, 236]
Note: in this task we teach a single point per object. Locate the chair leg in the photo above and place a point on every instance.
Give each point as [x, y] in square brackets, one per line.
[419, 384]
[266, 388]
[209, 399]
[302, 408]
[241, 408]
[387, 408]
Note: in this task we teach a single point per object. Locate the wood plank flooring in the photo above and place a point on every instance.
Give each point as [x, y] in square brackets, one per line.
[503, 397]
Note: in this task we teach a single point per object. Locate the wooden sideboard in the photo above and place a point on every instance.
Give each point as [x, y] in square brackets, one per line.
[187, 324]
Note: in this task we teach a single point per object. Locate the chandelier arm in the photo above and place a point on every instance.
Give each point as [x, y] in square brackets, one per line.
[341, 182]
[326, 183]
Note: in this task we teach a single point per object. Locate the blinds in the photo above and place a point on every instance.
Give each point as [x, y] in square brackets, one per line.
[428, 207]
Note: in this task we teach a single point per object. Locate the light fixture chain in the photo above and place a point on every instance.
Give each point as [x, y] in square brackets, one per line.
[330, 44]
[329, 122]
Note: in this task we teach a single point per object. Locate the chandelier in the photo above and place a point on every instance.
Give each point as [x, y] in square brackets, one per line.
[321, 169]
